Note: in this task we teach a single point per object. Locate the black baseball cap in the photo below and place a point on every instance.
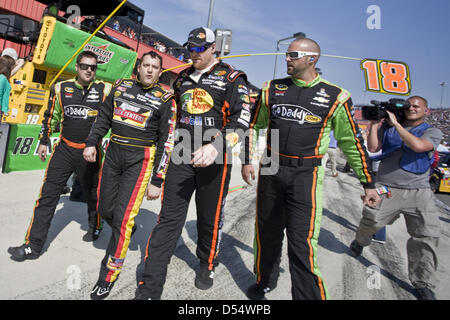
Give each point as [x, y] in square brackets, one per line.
[200, 37]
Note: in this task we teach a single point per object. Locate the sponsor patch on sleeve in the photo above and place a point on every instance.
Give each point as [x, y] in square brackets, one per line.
[266, 85]
[343, 96]
[166, 97]
[234, 75]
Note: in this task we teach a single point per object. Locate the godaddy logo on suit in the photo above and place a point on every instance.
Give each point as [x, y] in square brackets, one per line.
[77, 111]
[296, 113]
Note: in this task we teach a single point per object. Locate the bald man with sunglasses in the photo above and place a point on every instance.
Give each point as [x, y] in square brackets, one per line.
[304, 109]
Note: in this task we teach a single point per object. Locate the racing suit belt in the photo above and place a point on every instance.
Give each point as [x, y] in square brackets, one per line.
[134, 142]
[296, 161]
[74, 145]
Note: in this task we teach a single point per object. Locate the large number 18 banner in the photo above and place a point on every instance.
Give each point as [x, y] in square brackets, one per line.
[21, 151]
[390, 77]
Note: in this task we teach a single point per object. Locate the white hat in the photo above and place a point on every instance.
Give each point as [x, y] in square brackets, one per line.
[10, 52]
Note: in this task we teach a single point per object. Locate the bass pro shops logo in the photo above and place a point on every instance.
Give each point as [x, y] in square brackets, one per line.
[80, 112]
[296, 113]
[101, 50]
[196, 101]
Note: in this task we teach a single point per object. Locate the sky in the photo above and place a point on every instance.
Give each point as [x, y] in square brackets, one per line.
[415, 32]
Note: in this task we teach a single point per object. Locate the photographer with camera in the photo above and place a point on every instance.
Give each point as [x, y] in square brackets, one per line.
[402, 182]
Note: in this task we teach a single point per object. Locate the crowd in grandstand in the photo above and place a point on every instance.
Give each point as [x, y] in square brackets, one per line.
[158, 45]
[440, 118]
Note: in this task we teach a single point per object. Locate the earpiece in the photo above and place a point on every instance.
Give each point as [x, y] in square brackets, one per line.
[311, 59]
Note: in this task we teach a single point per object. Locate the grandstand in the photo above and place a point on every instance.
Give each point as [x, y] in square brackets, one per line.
[20, 26]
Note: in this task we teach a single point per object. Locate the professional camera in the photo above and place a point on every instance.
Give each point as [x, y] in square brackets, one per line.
[378, 109]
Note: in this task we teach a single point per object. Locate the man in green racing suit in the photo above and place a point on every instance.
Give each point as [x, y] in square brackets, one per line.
[302, 109]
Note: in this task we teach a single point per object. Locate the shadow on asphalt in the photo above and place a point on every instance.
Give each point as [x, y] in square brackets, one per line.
[340, 220]
[230, 257]
[77, 212]
[444, 219]
[70, 212]
[402, 284]
[145, 221]
[328, 241]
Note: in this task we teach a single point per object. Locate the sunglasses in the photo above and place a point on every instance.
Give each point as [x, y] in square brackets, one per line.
[197, 49]
[84, 66]
[300, 54]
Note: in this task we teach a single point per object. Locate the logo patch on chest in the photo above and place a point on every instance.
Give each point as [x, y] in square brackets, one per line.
[132, 115]
[196, 101]
[295, 113]
[80, 112]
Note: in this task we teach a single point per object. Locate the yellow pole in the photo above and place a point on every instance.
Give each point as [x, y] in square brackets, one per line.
[262, 54]
[88, 39]
[235, 56]
[340, 57]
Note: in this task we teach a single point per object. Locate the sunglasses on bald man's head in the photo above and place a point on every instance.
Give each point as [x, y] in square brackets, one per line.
[197, 49]
[84, 66]
[300, 54]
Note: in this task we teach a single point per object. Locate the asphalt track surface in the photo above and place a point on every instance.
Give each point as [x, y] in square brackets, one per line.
[68, 267]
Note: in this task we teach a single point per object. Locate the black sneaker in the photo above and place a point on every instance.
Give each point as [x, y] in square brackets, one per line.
[204, 278]
[101, 290]
[91, 235]
[356, 249]
[425, 293]
[24, 252]
[258, 291]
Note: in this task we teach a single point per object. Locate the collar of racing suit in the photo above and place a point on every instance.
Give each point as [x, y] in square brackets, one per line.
[79, 86]
[209, 70]
[301, 83]
[144, 86]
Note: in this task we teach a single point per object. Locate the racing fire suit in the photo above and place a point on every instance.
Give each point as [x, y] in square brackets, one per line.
[217, 100]
[142, 121]
[75, 108]
[303, 114]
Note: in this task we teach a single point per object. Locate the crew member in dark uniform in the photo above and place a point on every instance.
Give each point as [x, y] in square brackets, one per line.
[75, 105]
[213, 101]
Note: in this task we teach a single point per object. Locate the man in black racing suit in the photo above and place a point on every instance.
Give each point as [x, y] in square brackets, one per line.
[141, 115]
[210, 95]
[74, 104]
